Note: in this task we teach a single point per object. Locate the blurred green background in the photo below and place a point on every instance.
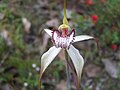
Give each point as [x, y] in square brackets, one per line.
[23, 41]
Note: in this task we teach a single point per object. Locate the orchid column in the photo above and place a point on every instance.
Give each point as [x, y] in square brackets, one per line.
[62, 38]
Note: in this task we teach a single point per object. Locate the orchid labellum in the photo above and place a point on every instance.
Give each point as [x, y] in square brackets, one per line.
[62, 38]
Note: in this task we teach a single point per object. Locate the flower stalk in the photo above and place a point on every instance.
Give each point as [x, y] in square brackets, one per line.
[67, 70]
[74, 74]
[65, 21]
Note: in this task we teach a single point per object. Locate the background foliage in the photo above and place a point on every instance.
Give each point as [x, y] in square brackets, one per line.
[21, 48]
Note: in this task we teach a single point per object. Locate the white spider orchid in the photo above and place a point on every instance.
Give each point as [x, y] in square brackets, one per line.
[63, 39]
[64, 42]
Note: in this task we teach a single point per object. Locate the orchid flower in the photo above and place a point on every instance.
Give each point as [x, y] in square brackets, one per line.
[62, 38]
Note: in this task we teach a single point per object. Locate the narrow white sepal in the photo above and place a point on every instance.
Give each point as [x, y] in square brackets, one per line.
[77, 60]
[82, 38]
[49, 31]
[48, 57]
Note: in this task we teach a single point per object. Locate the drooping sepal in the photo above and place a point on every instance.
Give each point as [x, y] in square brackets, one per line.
[48, 57]
[77, 60]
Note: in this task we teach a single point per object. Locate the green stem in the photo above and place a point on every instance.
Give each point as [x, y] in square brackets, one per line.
[74, 74]
[39, 82]
[68, 76]
[65, 15]
[70, 65]
[67, 71]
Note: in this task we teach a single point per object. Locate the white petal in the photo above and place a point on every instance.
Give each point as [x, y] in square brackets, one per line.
[77, 60]
[82, 37]
[48, 57]
[49, 31]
